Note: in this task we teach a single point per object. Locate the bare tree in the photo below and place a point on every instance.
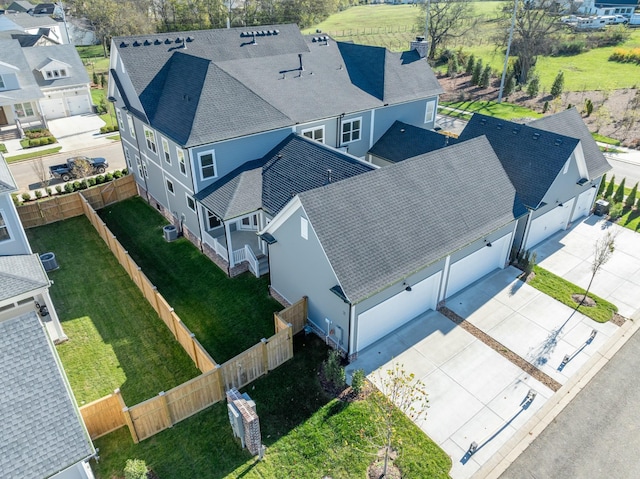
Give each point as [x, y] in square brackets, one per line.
[448, 19]
[602, 252]
[41, 171]
[81, 169]
[400, 391]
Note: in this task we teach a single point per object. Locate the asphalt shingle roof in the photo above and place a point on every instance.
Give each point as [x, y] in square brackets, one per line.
[25, 20]
[38, 57]
[7, 183]
[402, 141]
[12, 54]
[223, 86]
[379, 227]
[40, 427]
[532, 157]
[21, 274]
[570, 123]
[296, 164]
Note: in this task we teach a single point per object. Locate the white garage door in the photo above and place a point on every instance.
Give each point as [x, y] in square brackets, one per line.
[547, 224]
[473, 267]
[78, 105]
[52, 109]
[583, 204]
[380, 320]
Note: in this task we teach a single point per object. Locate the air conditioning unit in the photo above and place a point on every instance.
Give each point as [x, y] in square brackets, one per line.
[170, 233]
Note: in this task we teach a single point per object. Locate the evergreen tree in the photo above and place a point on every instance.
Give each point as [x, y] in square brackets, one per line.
[509, 85]
[477, 73]
[631, 199]
[453, 66]
[485, 79]
[609, 190]
[619, 196]
[603, 183]
[471, 63]
[558, 85]
[533, 88]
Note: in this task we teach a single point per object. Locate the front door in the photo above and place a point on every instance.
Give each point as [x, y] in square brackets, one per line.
[3, 117]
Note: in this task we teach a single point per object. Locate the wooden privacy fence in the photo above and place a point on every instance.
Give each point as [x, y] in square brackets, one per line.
[295, 315]
[62, 207]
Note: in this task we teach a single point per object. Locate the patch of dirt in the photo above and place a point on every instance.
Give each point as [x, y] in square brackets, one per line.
[586, 301]
[343, 392]
[618, 319]
[376, 469]
[527, 277]
[616, 102]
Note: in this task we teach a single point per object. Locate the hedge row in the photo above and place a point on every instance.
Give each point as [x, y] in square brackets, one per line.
[626, 55]
[109, 128]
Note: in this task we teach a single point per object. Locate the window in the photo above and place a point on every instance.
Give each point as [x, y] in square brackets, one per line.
[4, 229]
[120, 122]
[132, 130]
[1, 82]
[142, 168]
[23, 109]
[351, 130]
[127, 157]
[165, 148]
[315, 133]
[191, 203]
[54, 74]
[213, 220]
[207, 165]
[170, 187]
[430, 111]
[183, 167]
[304, 228]
[151, 139]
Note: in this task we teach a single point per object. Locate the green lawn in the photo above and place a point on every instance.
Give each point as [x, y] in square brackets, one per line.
[93, 58]
[116, 340]
[630, 219]
[605, 139]
[97, 94]
[226, 315]
[33, 154]
[306, 434]
[561, 289]
[506, 111]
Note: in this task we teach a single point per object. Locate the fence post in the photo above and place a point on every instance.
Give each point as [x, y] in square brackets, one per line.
[165, 408]
[306, 306]
[265, 355]
[218, 370]
[194, 349]
[127, 417]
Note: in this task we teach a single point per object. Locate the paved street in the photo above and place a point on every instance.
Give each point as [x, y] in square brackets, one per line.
[624, 168]
[597, 436]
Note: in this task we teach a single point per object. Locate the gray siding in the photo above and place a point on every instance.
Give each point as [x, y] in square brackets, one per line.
[412, 113]
[299, 268]
[18, 243]
[565, 186]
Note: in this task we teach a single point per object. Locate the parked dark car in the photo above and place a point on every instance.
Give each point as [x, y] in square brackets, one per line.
[67, 171]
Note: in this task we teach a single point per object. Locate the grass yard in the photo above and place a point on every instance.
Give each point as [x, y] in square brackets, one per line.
[630, 219]
[97, 95]
[561, 289]
[227, 315]
[116, 340]
[306, 434]
[506, 111]
[33, 154]
[93, 58]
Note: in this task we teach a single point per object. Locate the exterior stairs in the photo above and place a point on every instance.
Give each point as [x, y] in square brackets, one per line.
[263, 265]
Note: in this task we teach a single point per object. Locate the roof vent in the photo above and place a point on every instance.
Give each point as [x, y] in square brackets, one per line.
[558, 142]
[401, 130]
[315, 39]
[123, 44]
[157, 42]
[499, 126]
[189, 39]
[515, 130]
[178, 40]
[483, 121]
[536, 136]
[147, 42]
[167, 41]
[136, 43]
[329, 178]
[275, 32]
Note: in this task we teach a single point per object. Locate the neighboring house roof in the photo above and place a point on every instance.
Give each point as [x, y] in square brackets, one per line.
[296, 164]
[39, 57]
[402, 141]
[44, 9]
[42, 432]
[25, 20]
[532, 157]
[21, 274]
[380, 227]
[26, 39]
[7, 182]
[219, 84]
[20, 6]
[569, 122]
[14, 59]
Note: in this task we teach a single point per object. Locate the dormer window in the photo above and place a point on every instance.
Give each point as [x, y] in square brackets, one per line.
[55, 74]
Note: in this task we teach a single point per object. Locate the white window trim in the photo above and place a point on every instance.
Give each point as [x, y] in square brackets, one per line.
[189, 197]
[314, 129]
[215, 166]
[350, 121]
[165, 150]
[119, 117]
[132, 129]
[208, 220]
[6, 227]
[151, 141]
[171, 188]
[182, 162]
[22, 105]
[431, 104]
[127, 157]
[304, 228]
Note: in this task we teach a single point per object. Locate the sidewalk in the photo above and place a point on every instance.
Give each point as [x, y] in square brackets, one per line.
[626, 155]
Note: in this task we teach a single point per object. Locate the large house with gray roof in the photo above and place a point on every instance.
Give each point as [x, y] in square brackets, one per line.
[195, 108]
[43, 435]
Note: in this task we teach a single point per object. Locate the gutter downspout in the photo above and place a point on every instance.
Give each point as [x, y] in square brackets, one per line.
[352, 337]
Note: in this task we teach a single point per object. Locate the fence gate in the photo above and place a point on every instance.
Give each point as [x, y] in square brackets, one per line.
[51, 211]
[109, 194]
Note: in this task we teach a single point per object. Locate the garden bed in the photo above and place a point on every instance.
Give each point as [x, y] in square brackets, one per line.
[37, 137]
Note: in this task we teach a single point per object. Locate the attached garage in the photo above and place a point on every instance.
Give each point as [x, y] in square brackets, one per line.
[478, 264]
[52, 109]
[78, 105]
[583, 203]
[389, 315]
[551, 222]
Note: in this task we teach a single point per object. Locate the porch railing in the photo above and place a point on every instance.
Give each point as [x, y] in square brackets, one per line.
[219, 249]
[246, 254]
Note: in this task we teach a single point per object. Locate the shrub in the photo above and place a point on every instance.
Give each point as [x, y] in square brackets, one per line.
[545, 107]
[357, 381]
[99, 179]
[26, 196]
[58, 188]
[453, 67]
[92, 182]
[558, 85]
[631, 199]
[125, 172]
[626, 55]
[619, 194]
[38, 194]
[135, 469]
[485, 79]
[477, 73]
[102, 79]
[509, 85]
[117, 174]
[615, 211]
[95, 78]
[49, 191]
[333, 370]
[77, 186]
[471, 63]
[609, 190]
[108, 177]
[533, 88]
[68, 188]
[602, 185]
[574, 47]
[588, 107]
[14, 197]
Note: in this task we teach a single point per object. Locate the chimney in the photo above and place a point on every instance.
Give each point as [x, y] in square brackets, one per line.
[420, 45]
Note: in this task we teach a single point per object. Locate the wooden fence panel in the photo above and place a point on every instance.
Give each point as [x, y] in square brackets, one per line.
[184, 337]
[279, 348]
[94, 197]
[195, 395]
[164, 311]
[296, 314]
[102, 416]
[149, 417]
[149, 291]
[245, 368]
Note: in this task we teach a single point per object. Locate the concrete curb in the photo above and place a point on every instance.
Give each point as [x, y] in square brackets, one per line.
[515, 446]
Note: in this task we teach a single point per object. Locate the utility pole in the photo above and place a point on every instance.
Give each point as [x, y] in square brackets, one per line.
[506, 59]
[426, 26]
